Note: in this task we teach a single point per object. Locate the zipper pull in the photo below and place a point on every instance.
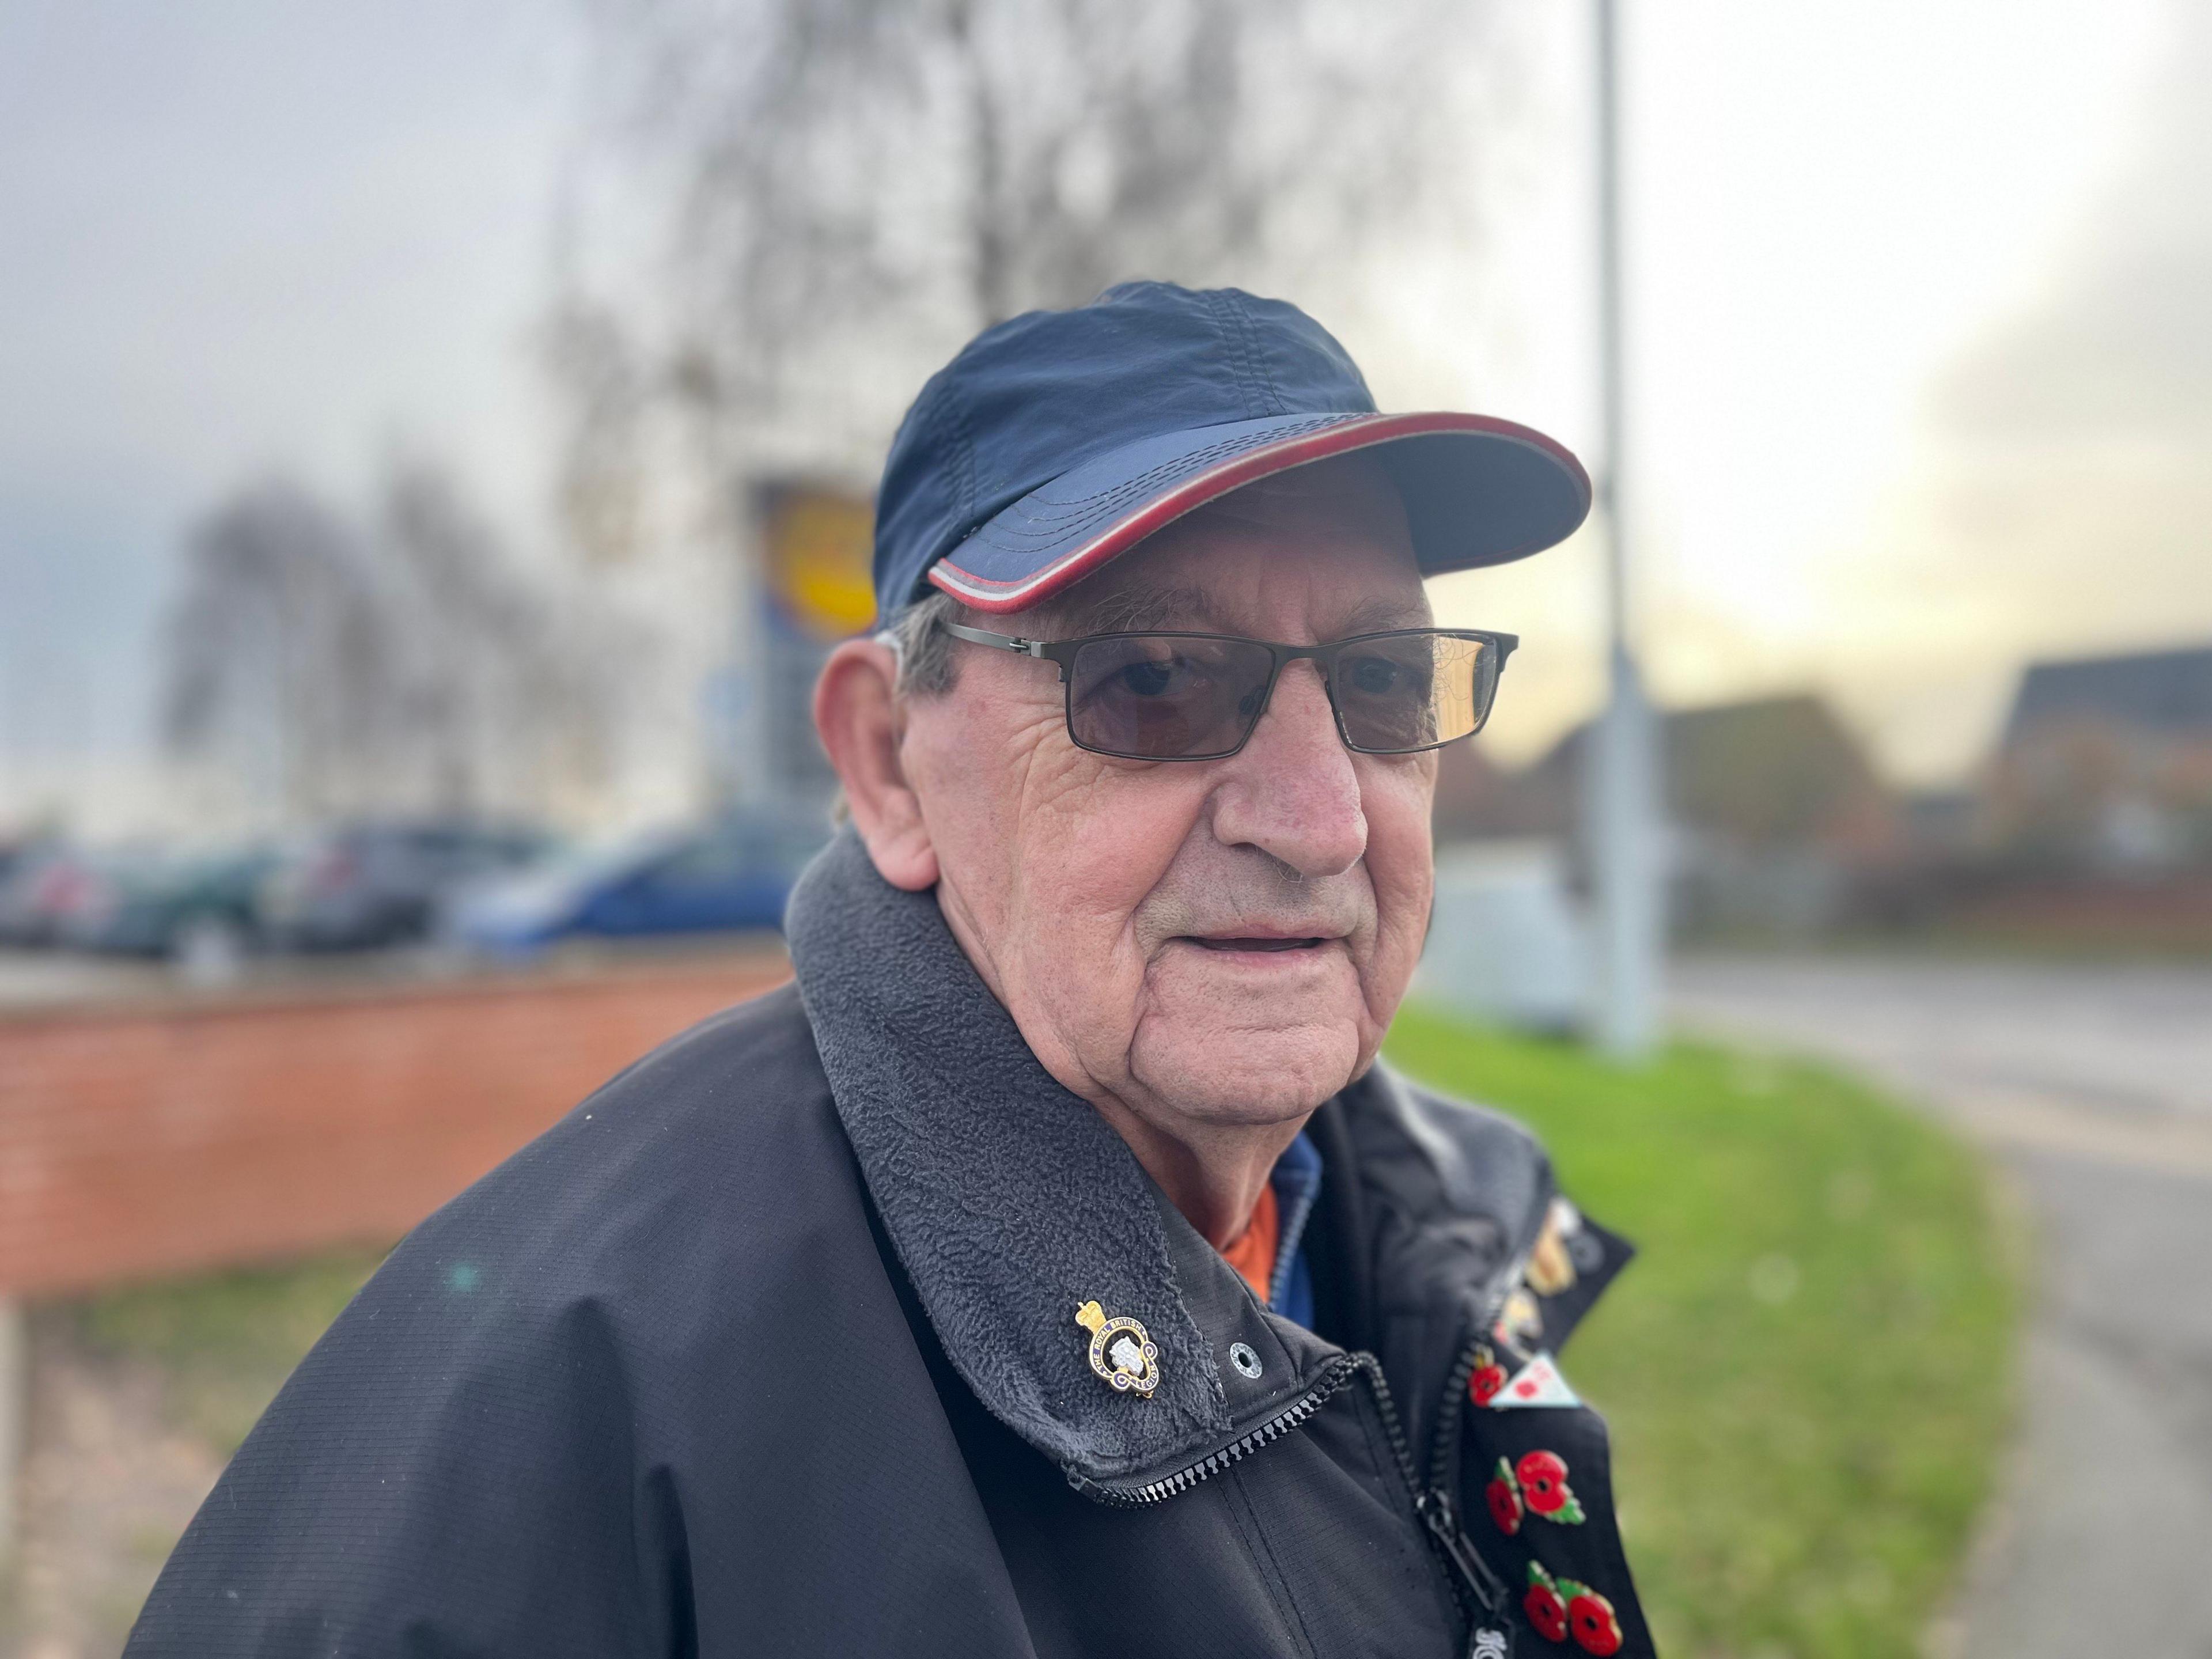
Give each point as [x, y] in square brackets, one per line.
[1491, 1635]
[1495, 1629]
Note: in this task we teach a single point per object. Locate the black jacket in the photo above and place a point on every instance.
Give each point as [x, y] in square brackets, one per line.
[734, 1361]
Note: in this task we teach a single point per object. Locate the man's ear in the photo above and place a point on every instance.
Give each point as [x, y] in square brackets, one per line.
[858, 718]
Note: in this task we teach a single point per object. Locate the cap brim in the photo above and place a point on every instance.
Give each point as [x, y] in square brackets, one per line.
[1477, 491]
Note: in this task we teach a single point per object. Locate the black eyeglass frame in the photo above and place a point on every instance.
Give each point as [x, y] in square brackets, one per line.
[1061, 654]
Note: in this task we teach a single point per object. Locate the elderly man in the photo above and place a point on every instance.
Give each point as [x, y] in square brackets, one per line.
[1053, 1269]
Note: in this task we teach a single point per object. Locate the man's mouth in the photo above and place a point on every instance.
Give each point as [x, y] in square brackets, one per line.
[1253, 944]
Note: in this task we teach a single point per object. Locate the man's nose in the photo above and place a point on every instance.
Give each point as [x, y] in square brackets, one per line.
[1291, 791]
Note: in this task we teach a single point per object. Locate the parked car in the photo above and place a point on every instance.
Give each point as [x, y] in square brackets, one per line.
[45, 886]
[197, 908]
[16, 853]
[370, 884]
[725, 877]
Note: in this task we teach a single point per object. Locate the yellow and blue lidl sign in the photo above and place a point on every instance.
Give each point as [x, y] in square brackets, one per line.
[816, 545]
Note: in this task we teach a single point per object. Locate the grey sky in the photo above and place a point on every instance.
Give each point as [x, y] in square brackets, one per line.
[1849, 226]
[2060, 503]
[2119, 349]
[243, 234]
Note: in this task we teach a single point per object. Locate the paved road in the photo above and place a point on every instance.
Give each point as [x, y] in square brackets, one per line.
[2095, 1085]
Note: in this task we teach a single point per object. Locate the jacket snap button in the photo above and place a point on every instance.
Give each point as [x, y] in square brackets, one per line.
[1242, 1356]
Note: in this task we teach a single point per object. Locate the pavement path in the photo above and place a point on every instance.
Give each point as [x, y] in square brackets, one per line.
[2094, 1084]
[39, 979]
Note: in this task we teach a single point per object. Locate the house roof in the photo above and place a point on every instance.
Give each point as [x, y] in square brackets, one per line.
[1768, 769]
[2164, 691]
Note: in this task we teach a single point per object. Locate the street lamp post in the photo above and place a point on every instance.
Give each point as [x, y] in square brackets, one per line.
[1621, 786]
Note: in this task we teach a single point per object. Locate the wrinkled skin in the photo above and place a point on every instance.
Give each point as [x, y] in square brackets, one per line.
[1117, 907]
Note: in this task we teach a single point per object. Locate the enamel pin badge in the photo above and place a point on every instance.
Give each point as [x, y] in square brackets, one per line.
[1122, 1351]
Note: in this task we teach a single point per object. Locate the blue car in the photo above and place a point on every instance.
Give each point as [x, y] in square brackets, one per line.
[363, 885]
[727, 877]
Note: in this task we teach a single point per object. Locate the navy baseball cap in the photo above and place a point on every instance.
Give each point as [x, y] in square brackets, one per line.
[1059, 438]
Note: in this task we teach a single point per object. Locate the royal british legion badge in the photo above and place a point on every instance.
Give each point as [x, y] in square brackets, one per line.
[1121, 1350]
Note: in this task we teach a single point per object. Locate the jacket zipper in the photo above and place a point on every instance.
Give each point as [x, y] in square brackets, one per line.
[1444, 1451]
[1432, 1500]
[1338, 1372]
[1432, 1504]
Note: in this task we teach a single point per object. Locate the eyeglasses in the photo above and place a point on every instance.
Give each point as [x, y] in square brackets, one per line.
[1199, 696]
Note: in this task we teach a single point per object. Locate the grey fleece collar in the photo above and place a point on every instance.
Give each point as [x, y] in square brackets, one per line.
[1009, 1199]
[1010, 1202]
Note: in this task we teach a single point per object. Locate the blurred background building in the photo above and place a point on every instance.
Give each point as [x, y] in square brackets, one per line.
[493, 449]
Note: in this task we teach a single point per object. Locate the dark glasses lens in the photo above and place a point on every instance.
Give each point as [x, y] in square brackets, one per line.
[1166, 696]
[1396, 692]
[1196, 697]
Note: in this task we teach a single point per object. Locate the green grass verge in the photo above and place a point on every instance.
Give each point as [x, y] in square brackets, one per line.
[227, 1341]
[1807, 1369]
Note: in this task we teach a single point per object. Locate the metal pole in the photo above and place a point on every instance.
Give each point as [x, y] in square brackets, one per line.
[1621, 789]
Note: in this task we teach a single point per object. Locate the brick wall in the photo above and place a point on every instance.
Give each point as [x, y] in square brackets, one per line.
[140, 1141]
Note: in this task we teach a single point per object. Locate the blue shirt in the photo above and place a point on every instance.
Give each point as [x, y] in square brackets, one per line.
[1297, 1181]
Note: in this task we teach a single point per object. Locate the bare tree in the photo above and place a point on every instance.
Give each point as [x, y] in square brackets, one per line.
[472, 633]
[792, 210]
[282, 658]
[414, 667]
[858, 184]
[509, 691]
[600, 490]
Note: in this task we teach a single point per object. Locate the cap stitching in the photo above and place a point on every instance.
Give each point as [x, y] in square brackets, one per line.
[1240, 370]
[962, 441]
[1259, 355]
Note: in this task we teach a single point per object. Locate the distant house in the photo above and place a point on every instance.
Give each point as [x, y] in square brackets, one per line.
[2106, 767]
[1478, 800]
[1780, 821]
[1778, 773]
[1777, 815]
[1769, 771]
[2157, 694]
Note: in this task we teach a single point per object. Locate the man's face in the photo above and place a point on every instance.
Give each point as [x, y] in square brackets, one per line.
[1209, 944]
